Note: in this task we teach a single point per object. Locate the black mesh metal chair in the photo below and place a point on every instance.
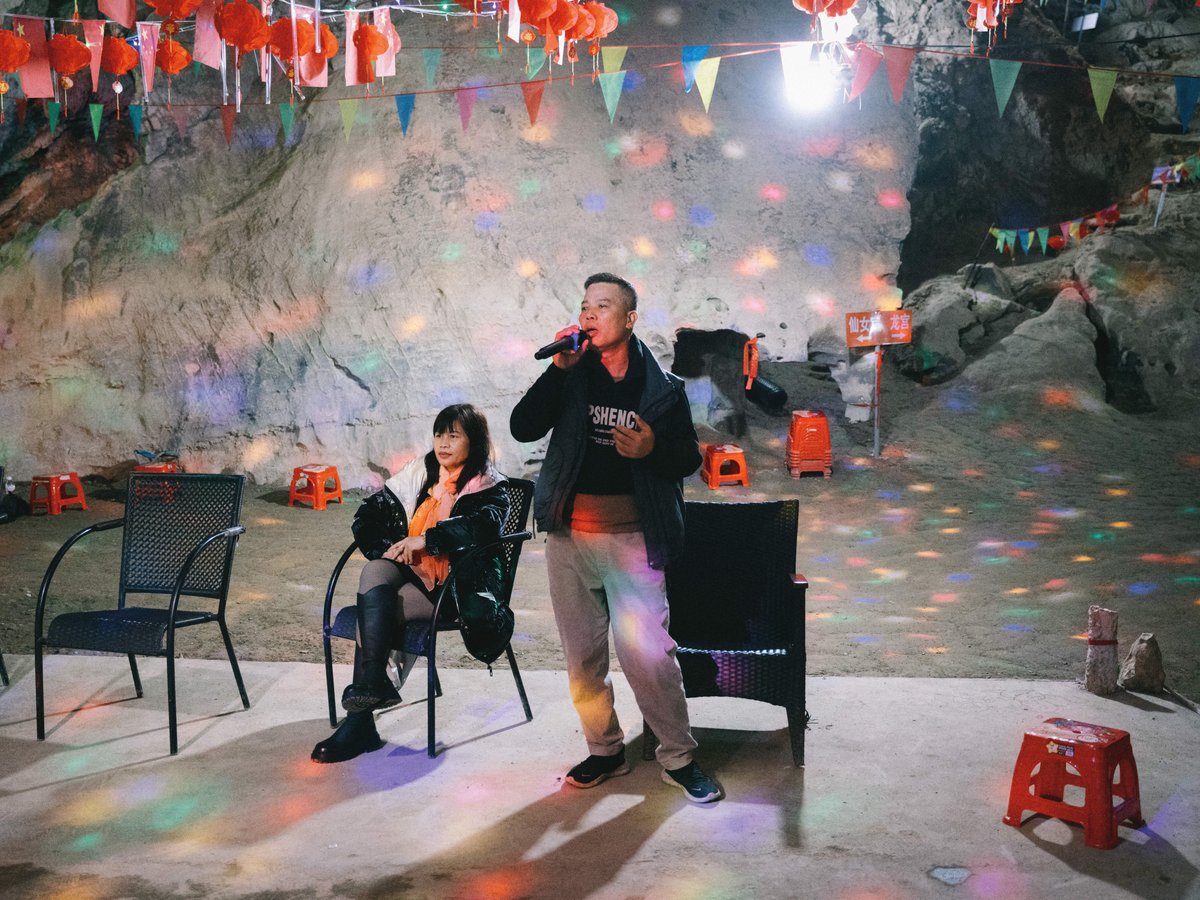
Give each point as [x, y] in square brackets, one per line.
[180, 535]
[420, 637]
[737, 609]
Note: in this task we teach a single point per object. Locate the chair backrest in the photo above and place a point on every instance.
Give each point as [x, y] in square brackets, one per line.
[520, 498]
[166, 516]
[731, 588]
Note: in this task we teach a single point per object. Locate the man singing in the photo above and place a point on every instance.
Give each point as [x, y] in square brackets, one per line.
[610, 497]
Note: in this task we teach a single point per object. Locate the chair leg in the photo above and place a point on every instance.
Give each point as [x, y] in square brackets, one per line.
[39, 688]
[512, 664]
[237, 673]
[432, 691]
[133, 669]
[171, 720]
[329, 682]
[797, 722]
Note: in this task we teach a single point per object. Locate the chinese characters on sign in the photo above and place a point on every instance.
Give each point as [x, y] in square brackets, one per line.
[869, 329]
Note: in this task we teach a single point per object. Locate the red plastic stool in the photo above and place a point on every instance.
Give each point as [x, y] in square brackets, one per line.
[311, 484]
[808, 447]
[1096, 754]
[53, 500]
[724, 464]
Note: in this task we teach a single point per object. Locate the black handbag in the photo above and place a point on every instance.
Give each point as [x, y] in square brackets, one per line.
[379, 523]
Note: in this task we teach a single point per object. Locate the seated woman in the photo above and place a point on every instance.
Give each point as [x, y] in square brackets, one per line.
[453, 500]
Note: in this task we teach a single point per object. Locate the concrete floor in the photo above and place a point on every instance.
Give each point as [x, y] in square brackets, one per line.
[902, 796]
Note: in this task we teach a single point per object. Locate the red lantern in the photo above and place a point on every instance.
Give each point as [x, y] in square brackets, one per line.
[329, 43]
[67, 54]
[585, 25]
[172, 57]
[371, 44]
[827, 8]
[606, 20]
[562, 19]
[14, 51]
[174, 9]
[242, 26]
[117, 57]
[281, 38]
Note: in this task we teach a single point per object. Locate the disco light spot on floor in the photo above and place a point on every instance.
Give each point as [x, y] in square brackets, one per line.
[864, 639]
[1142, 588]
[1102, 536]
[944, 598]
[935, 649]
[928, 554]
[1056, 584]
[958, 577]
[1120, 525]
[1026, 545]
[1048, 469]
[867, 600]
[1016, 626]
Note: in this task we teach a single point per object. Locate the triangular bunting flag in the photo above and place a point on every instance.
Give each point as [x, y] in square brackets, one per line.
[611, 84]
[1010, 240]
[466, 98]
[1102, 87]
[1187, 90]
[612, 58]
[899, 62]
[1043, 235]
[533, 91]
[135, 120]
[866, 61]
[691, 57]
[349, 111]
[1004, 76]
[706, 78]
[404, 109]
[1065, 228]
[1073, 228]
[123, 12]
[287, 114]
[180, 115]
[536, 59]
[96, 110]
[1023, 237]
[228, 114]
[93, 36]
[52, 110]
[432, 58]
[995, 232]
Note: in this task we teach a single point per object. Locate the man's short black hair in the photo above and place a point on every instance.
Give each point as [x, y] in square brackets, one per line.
[610, 278]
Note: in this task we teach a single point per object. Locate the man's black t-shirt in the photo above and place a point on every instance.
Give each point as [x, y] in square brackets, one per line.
[610, 403]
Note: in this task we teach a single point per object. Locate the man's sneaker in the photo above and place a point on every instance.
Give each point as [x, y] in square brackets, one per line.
[596, 769]
[693, 782]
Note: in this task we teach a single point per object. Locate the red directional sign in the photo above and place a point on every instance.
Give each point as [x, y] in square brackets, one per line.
[870, 329]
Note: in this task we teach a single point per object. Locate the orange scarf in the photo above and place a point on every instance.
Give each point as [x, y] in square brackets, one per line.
[433, 570]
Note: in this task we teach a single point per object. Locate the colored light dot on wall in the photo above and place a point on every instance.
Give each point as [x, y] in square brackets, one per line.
[527, 268]
[772, 193]
[754, 304]
[643, 246]
[664, 210]
[840, 182]
[595, 203]
[822, 305]
[818, 255]
[366, 181]
[702, 217]
[451, 253]
[529, 187]
[698, 249]
[733, 150]
[638, 266]
[890, 199]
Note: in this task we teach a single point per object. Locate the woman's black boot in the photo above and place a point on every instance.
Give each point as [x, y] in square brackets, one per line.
[354, 736]
[372, 689]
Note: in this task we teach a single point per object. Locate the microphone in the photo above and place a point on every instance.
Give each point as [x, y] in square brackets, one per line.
[571, 343]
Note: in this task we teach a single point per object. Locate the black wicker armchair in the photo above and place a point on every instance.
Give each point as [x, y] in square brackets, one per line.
[737, 609]
[420, 637]
[180, 535]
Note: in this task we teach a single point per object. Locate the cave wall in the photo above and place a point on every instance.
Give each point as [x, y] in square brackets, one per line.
[272, 302]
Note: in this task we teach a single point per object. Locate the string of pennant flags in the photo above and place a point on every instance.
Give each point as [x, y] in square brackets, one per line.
[1060, 234]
